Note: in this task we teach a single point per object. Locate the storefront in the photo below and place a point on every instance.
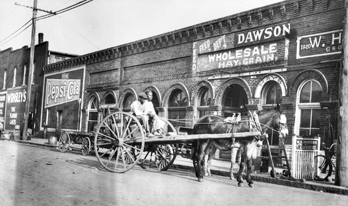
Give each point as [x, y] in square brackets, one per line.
[287, 53]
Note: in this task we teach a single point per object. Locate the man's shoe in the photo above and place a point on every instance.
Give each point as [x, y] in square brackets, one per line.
[149, 135]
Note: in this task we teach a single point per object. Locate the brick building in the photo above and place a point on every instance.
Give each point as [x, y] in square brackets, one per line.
[287, 53]
[14, 73]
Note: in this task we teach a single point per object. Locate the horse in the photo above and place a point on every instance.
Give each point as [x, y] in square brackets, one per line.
[244, 147]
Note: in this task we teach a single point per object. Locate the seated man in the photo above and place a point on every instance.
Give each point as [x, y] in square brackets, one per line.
[138, 109]
[150, 111]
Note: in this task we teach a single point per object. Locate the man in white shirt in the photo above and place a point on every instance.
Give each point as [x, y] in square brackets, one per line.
[138, 108]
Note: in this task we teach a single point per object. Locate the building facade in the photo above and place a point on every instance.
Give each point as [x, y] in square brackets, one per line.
[14, 73]
[288, 53]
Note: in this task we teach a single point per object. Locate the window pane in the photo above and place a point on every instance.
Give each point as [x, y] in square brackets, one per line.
[316, 92]
[93, 116]
[304, 132]
[128, 101]
[271, 94]
[178, 99]
[305, 93]
[316, 118]
[205, 98]
[305, 118]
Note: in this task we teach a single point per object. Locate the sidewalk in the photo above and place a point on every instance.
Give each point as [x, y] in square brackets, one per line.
[222, 168]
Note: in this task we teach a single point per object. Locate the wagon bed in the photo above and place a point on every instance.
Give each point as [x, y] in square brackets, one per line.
[119, 143]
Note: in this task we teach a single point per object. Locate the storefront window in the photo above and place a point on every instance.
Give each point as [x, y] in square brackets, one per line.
[309, 105]
[177, 111]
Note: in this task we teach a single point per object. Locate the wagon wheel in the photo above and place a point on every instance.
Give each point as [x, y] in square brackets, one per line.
[118, 137]
[86, 146]
[64, 141]
[160, 157]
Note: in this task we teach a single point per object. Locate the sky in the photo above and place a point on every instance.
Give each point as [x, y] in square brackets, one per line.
[102, 24]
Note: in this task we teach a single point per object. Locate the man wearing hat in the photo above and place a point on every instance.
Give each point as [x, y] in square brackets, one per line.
[138, 109]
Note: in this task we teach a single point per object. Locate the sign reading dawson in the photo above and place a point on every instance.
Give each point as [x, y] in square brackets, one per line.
[269, 33]
[321, 44]
[60, 91]
[260, 54]
[241, 49]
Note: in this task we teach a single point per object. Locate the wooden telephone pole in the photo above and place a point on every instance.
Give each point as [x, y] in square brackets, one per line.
[31, 67]
[342, 143]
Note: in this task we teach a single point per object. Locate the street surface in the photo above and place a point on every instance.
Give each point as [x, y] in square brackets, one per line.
[37, 176]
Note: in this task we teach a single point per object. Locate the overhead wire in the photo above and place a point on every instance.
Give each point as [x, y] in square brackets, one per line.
[13, 35]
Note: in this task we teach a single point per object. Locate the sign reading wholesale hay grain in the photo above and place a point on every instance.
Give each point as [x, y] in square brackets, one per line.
[60, 91]
[253, 47]
[248, 56]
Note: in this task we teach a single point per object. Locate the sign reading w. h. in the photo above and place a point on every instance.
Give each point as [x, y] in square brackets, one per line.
[321, 44]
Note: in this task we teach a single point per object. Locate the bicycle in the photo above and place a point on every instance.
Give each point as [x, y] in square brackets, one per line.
[325, 165]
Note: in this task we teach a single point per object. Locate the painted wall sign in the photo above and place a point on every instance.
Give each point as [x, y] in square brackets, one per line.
[321, 44]
[60, 91]
[15, 106]
[263, 34]
[2, 110]
[252, 55]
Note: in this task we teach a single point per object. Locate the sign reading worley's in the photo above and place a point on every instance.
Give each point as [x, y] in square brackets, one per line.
[241, 49]
[60, 91]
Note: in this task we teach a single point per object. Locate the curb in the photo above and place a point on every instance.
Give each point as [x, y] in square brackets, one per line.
[278, 181]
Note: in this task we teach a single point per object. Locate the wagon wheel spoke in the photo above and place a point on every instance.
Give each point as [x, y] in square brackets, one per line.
[111, 136]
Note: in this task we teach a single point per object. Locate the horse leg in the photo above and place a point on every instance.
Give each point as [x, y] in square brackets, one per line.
[200, 158]
[250, 149]
[241, 168]
[233, 161]
[248, 176]
[208, 162]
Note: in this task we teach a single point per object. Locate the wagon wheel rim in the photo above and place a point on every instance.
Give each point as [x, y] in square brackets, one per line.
[161, 156]
[64, 142]
[120, 139]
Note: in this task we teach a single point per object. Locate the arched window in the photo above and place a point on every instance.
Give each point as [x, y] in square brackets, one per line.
[205, 99]
[109, 99]
[309, 109]
[177, 111]
[128, 100]
[234, 99]
[273, 93]
[92, 113]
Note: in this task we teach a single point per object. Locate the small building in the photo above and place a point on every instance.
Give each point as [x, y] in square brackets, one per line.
[288, 53]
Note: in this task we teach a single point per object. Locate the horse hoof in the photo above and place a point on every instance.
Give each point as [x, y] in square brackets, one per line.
[240, 184]
[200, 179]
[251, 185]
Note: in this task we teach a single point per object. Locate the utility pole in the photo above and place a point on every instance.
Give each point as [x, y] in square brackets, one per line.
[342, 142]
[31, 67]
